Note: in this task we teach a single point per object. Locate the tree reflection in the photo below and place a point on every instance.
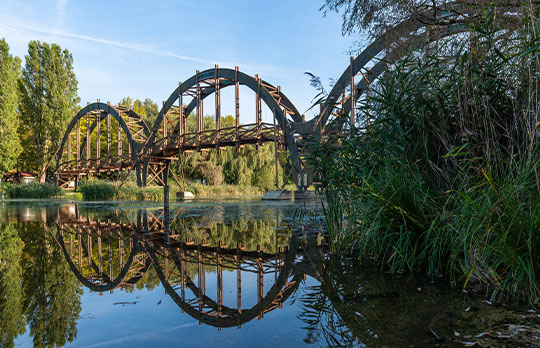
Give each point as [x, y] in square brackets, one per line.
[11, 295]
[52, 303]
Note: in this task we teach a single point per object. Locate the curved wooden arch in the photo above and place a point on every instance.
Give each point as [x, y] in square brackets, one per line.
[405, 36]
[130, 113]
[97, 106]
[276, 101]
[118, 113]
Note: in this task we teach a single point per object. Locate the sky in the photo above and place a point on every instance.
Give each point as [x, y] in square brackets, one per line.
[142, 49]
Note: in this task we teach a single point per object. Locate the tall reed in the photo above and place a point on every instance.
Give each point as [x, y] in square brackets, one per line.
[442, 175]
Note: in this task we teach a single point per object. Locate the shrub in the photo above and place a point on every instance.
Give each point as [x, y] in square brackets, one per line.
[32, 190]
[97, 190]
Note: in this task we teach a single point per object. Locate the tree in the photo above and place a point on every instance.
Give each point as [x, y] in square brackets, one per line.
[372, 17]
[10, 145]
[48, 101]
[147, 109]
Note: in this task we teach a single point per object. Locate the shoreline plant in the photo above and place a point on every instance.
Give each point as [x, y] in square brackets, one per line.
[443, 175]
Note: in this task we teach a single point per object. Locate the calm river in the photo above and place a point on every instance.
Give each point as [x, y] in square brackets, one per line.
[210, 273]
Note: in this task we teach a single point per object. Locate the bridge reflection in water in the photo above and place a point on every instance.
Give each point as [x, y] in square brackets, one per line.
[116, 252]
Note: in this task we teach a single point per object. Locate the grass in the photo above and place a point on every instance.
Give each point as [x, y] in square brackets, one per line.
[443, 174]
[32, 190]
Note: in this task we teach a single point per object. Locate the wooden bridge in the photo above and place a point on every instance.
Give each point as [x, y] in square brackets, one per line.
[149, 151]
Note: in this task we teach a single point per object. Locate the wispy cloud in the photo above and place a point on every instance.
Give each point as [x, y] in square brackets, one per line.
[126, 45]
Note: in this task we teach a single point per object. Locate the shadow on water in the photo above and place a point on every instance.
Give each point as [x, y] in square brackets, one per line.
[206, 259]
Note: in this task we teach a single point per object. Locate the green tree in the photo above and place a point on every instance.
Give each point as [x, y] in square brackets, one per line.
[10, 145]
[147, 109]
[48, 101]
[11, 294]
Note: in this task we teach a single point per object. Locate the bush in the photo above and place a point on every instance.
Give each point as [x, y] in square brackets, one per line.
[97, 190]
[32, 190]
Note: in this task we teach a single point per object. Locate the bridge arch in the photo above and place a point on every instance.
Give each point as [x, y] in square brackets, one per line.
[170, 137]
[394, 44]
[76, 156]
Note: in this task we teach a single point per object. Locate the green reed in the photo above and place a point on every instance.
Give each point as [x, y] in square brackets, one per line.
[442, 175]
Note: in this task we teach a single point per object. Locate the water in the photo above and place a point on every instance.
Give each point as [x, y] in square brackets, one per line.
[227, 273]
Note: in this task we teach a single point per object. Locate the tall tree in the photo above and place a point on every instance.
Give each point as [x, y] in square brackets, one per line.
[10, 145]
[48, 101]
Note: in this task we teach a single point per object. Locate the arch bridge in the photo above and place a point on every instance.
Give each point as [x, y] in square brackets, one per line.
[149, 151]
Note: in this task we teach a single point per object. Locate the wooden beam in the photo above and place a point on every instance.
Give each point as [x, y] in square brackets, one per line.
[218, 107]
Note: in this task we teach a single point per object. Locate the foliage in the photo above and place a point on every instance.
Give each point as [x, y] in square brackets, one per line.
[49, 99]
[10, 145]
[442, 174]
[147, 109]
[374, 17]
[32, 190]
[98, 190]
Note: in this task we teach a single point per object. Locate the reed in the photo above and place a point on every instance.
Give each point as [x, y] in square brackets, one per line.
[442, 175]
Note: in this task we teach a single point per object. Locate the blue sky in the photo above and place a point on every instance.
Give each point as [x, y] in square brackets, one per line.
[144, 48]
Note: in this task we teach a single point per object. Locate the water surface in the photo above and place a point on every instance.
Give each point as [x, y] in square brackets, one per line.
[227, 273]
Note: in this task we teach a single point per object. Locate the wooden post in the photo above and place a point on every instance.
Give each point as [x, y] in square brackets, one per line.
[165, 174]
[218, 107]
[164, 126]
[68, 150]
[108, 132]
[130, 150]
[258, 110]
[119, 148]
[181, 130]
[88, 148]
[237, 107]
[98, 138]
[199, 109]
[78, 142]
[353, 87]
[275, 148]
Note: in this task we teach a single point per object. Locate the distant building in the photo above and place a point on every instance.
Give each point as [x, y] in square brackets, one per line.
[20, 177]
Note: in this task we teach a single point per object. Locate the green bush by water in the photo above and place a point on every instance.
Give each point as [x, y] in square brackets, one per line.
[443, 176]
[32, 190]
[98, 190]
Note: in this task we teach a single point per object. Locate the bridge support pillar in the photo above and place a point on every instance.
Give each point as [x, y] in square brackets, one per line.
[166, 183]
[138, 173]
